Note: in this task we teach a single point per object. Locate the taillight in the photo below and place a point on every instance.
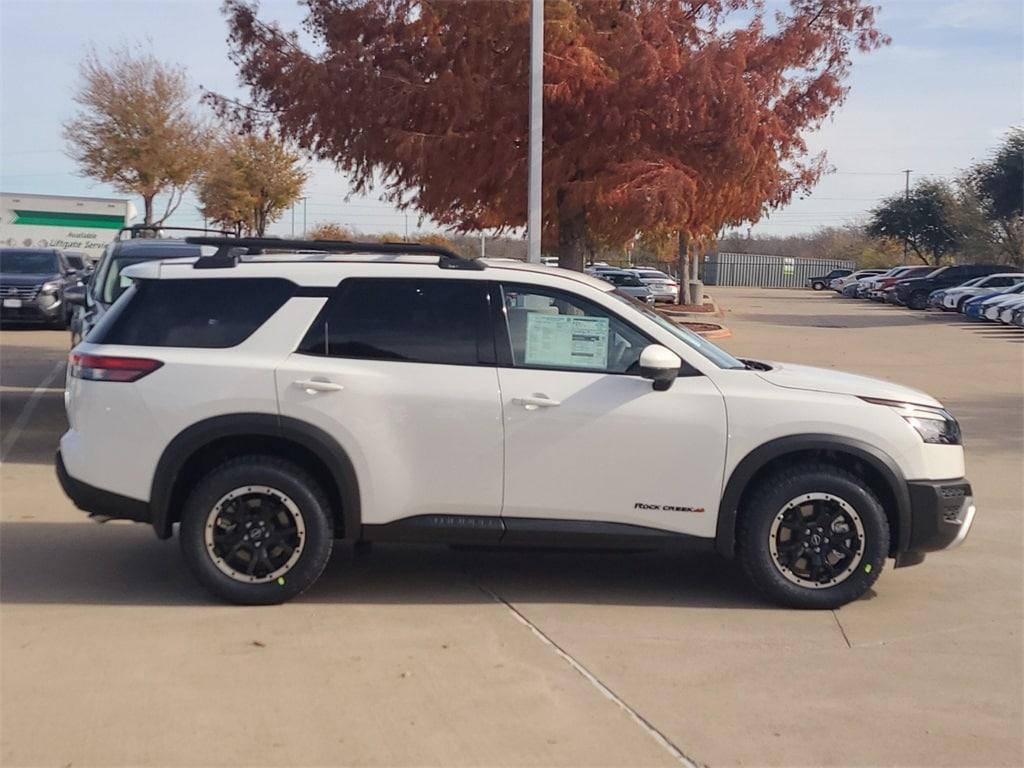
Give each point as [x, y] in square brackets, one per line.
[105, 368]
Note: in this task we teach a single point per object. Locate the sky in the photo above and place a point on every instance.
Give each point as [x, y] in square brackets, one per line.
[937, 99]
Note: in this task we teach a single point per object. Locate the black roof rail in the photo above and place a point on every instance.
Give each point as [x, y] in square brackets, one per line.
[229, 249]
[137, 231]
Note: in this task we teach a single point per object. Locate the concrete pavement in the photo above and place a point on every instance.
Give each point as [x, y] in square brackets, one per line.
[111, 655]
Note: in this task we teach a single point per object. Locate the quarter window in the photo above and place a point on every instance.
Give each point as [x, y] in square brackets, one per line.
[440, 321]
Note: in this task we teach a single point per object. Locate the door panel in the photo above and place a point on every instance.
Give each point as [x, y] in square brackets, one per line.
[425, 439]
[613, 449]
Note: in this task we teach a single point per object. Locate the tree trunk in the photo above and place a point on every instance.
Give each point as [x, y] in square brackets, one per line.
[572, 239]
[147, 203]
[683, 267]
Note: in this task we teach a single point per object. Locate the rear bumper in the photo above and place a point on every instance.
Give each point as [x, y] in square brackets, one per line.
[942, 512]
[100, 503]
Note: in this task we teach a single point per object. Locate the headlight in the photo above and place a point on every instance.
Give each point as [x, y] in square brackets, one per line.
[934, 425]
[51, 287]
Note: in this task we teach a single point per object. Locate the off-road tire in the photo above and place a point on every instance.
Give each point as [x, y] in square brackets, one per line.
[258, 471]
[760, 508]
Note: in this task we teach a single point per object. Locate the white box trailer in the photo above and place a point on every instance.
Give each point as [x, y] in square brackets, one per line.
[84, 224]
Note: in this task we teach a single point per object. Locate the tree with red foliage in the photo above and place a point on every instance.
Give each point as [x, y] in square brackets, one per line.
[659, 115]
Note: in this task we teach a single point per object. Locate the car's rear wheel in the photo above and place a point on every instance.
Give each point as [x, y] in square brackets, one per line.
[917, 300]
[812, 537]
[257, 530]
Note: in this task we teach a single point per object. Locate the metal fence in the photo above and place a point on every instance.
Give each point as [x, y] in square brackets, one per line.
[765, 271]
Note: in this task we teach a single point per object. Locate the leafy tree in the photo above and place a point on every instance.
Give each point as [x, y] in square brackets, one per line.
[249, 182]
[925, 219]
[661, 115]
[136, 129]
[998, 185]
[331, 231]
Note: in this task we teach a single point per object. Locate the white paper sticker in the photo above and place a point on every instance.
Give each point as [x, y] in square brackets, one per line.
[566, 341]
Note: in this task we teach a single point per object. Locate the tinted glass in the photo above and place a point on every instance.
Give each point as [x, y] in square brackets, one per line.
[75, 262]
[213, 313]
[412, 320]
[15, 262]
[630, 281]
[556, 330]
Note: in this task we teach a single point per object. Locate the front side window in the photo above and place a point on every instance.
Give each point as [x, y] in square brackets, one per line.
[439, 321]
[556, 330]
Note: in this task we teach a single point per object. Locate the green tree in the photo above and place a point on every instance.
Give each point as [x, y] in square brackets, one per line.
[998, 185]
[923, 219]
[136, 129]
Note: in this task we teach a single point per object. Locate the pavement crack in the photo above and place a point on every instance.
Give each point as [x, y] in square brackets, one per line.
[841, 629]
[589, 676]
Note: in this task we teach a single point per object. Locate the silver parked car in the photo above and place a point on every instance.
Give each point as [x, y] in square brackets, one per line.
[626, 282]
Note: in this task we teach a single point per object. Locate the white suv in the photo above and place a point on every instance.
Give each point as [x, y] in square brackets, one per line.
[273, 404]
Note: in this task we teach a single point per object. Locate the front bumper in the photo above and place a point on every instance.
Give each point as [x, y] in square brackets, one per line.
[99, 503]
[44, 308]
[941, 515]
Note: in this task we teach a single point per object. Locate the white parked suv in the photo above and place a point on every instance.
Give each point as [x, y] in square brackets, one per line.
[274, 403]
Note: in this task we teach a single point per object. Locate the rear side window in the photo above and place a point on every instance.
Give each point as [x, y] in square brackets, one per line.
[412, 320]
[213, 313]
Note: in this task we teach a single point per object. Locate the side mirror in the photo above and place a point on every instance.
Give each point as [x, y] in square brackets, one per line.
[75, 294]
[659, 364]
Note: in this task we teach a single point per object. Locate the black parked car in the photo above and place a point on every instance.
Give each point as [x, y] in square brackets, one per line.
[821, 282]
[914, 293]
[32, 285]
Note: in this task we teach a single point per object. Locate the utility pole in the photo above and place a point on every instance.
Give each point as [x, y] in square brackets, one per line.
[407, 227]
[906, 200]
[303, 218]
[483, 245]
[293, 220]
[533, 225]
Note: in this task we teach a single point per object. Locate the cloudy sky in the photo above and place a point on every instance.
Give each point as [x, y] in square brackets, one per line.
[937, 99]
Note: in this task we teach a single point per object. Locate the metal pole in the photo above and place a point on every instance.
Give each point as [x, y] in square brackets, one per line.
[303, 218]
[293, 220]
[483, 245]
[407, 227]
[906, 199]
[533, 226]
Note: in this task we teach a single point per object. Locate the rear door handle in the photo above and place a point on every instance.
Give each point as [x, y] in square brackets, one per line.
[534, 402]
[312, 386]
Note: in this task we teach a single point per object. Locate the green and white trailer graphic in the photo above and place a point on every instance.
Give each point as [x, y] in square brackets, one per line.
[85, 224]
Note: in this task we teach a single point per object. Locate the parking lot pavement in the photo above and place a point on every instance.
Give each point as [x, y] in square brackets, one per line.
[111, 655]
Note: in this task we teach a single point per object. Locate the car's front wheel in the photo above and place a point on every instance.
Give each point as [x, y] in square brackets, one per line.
[817, 285]
[812, 537]
[918, 300]
[257, 530]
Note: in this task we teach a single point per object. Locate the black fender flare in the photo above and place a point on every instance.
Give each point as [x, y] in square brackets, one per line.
[753, 462]
[202, 433]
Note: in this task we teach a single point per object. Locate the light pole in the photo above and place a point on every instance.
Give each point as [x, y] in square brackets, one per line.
[906, 218]
[533, 222]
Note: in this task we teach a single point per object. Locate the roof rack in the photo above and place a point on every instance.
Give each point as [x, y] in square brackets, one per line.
[230, 249]
[137, 231]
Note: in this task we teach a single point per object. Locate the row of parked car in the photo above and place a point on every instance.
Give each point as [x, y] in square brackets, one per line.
[979, 291]
[644, 283]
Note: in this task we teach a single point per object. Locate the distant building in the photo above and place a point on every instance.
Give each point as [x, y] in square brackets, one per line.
[84, 224]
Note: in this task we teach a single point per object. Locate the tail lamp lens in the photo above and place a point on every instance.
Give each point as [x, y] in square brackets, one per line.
[105, 368]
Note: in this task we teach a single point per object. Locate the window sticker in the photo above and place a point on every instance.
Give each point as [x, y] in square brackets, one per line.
[566, 341]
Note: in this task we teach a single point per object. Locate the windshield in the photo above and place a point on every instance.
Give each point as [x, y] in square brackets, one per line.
[716, 355]
[28, 262]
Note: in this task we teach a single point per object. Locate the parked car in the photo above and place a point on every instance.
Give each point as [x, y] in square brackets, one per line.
[953, 299]
[1018, 317]
[839, 283]
[914, 293]
[1004, 313]
[628, 283]
[108, 280]
[32, 285]
[821, 282]
[975, 308]
[883, 288]
[273, 423]
[662, 286]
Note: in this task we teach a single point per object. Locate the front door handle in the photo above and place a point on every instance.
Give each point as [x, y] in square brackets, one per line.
[312, 386]
[536, 401]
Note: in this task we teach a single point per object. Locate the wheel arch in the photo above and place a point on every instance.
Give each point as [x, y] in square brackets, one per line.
[877, 468]
[195, 448]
